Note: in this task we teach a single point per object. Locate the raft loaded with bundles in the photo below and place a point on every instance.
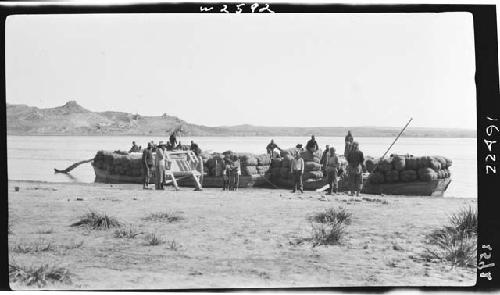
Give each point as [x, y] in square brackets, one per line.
[407, 175]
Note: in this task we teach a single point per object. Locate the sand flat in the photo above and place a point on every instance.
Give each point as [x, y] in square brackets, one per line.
[244, 239]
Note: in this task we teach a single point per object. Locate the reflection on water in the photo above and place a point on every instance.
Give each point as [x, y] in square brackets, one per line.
[35, 157]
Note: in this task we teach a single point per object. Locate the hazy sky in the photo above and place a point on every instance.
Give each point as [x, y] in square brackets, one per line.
[261, 69]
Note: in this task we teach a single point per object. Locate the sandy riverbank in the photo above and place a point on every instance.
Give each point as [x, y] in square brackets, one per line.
[228, 239]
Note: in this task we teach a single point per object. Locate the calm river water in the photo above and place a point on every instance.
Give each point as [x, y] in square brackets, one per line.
[35, 157]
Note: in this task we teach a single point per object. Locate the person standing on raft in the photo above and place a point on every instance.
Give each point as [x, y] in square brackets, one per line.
[135, 148]
[297, 170]
[312, 145]
[355, 161]
[332, 166]
[147, 165]
[160, 166]
[270, 148]
[348, 143]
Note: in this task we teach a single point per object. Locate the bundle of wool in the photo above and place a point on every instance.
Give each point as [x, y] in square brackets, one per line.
[370, 164]
[248, 160]
[376, 178]
[411, 163]
[276, 162]
[263, 160]
[311, 156]
[391, 176]
[398, 162]
[427, 174]
[276, 172]
[434, 164]
[408, 175]
[313, 174]
[385, 165]
[249, 170]
[284, 173]
[312, 166]
[286, 160]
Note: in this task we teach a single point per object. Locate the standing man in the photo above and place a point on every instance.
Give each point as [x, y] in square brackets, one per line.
[135, 148]
[324, 158]
[235, 173]
[297, 170]
[147, 165]
[173, 140]
[270, 148]
[348, 143]
[160, 166]
[355, 161]
[312, 145]
[332, 166]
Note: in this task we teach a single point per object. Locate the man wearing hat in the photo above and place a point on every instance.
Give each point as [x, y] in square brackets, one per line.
[160, 165]
[355, 161]
[147, 165]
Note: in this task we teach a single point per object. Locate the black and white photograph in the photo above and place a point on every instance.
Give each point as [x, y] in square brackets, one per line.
[227, 150]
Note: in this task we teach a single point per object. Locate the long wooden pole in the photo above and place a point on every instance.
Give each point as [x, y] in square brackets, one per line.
[397, 137]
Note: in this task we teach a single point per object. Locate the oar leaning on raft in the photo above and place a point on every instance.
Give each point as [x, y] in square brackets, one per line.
[67, 170]
[397, 137]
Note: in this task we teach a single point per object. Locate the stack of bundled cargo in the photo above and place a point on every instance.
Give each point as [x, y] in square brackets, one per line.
[407, 169]
[251, 165]
[280, 168]
[119, 163]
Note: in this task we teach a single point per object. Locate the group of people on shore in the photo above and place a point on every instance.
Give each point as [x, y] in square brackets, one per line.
[231, 172]
[330, 164]
[161, 163]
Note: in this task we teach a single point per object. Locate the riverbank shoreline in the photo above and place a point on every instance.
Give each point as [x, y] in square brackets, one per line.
[245, 239]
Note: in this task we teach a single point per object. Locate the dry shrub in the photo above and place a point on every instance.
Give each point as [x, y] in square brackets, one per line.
[164, 216]
[38, 276]
[44, 231]
[327, 233]
[456, 243]
[95, 220]
[153, 240]
[332, 215]
[129, 233]
[34, 247]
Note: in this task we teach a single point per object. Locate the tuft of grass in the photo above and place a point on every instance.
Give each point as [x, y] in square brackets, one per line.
[34, 247]
[457, 242]
[129, 233]
[73, 245]
[465, 220]
[333, 215]
[327, 233]
[44, 231]
[39, 276]
[164, 216]
[173, 245]
[153, 240]
[95, 220]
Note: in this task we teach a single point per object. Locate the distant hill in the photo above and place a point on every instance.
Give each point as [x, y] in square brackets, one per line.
[73, 119]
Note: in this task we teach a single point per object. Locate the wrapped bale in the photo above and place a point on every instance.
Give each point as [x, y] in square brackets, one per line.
[263, 169]
[427, 174]
[423, 162]
[285, 162]
[385, 165]
[370, 164]
[263, 160]
[312, 166]
[398, 162]
[408, 175]
[411, 163]
[441, 161]
[313, 175]
[284, 173]
[248, 170]
[448, 162]
[311, 156]
[248, 160]
[391, 176]
[434, 164]
[376, 178]
[276, 173]
[276, 162]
